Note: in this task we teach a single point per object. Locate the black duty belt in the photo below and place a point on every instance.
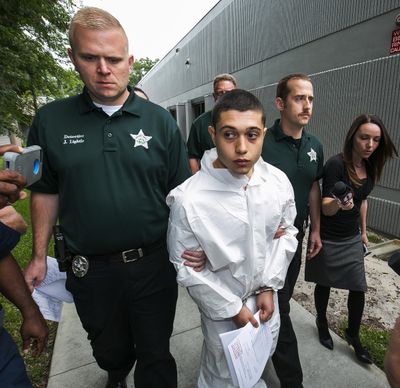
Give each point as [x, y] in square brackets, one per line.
[128, 255]
[80, 263]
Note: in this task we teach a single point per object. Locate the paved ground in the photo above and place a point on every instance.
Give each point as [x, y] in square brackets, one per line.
[74, 367]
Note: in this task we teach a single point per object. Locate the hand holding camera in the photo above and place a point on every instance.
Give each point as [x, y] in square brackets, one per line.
[28, 163]
[11, 182]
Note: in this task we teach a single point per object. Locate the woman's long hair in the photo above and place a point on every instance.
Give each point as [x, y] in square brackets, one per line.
[378, 158]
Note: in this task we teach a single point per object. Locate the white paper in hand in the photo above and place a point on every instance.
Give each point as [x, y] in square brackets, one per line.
[247, 351]
[51, 293]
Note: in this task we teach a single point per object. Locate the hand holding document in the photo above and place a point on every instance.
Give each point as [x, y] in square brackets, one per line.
[51, 293]
[247, 351]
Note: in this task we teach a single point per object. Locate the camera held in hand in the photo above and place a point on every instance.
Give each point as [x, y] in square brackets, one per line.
[28, 163]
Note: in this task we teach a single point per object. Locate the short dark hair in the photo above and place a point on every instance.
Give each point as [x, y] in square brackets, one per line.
[282, 90]
[379, 157]
[237, 99]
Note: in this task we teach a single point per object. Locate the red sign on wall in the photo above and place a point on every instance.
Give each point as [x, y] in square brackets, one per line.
[395, 46]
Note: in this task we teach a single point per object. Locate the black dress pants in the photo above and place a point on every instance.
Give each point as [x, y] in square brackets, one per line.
[286, 357]
[128, 311]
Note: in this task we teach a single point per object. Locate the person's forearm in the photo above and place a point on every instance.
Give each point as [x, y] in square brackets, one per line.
[314, 200]
[14, 288]
[363, 216]
[44, 211]
[314, 241]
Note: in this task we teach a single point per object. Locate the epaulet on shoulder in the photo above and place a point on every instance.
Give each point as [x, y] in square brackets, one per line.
[59, 102]
[312, 136]
[156, 106]
[204, 114]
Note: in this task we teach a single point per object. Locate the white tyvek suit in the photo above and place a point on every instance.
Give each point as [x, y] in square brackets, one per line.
[233, 220]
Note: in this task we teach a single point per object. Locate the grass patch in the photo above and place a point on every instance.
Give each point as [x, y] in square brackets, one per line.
[373, 237]
[374, 340]
[37, 367]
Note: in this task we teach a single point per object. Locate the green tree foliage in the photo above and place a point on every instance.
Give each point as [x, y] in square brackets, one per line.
[71, 84]
[140, 68]
[32, 57]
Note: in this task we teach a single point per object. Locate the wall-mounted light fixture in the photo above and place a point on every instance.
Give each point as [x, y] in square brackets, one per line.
[187, 63]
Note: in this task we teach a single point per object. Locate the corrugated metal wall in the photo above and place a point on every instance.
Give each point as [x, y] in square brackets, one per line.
[247, 32]
[342, 44]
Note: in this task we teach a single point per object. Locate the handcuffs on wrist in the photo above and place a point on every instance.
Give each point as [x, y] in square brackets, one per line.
[257, 292]
[261, 290]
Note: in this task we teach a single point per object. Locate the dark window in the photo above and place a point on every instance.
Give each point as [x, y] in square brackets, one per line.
[173, 112]
[198, 108]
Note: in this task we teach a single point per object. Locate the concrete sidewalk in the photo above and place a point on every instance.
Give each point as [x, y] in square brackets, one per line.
[73, 364]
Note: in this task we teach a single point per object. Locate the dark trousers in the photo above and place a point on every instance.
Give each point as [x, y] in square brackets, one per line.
[286, 357]
[128, 310]
[12, 367]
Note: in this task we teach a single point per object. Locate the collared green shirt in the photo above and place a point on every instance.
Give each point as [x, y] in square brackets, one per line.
[303, 166]
[199, 139]
[112, 174]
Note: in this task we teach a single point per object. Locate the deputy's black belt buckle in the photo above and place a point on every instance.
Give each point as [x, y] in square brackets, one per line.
[80, 266]
[132, 255]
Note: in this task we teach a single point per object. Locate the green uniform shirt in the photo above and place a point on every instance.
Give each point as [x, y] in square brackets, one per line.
[303, 166]
[112, 174]
[199, 139]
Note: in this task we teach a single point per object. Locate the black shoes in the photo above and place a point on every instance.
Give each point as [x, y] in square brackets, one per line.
[361, 353]
[326, 340]
[323, 334]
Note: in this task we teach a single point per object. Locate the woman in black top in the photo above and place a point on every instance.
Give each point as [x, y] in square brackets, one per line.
[340, 263]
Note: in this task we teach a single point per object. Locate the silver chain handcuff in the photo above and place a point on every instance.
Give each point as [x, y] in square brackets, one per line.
[256, 293]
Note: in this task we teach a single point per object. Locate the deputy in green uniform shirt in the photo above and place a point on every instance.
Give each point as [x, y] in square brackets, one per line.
[299, 154]
[110, 159]
[199, 139]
